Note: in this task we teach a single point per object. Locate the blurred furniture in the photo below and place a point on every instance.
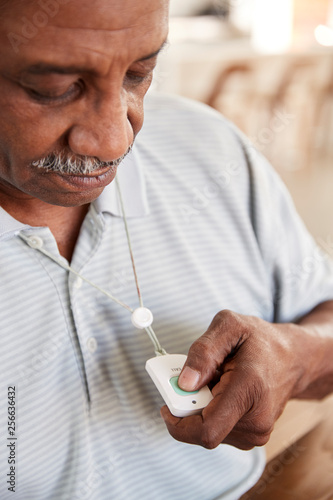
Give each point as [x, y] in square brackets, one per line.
[239, 75]
[282, 102]
[292, 89]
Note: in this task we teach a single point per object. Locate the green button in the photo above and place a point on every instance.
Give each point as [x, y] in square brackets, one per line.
[178, 390]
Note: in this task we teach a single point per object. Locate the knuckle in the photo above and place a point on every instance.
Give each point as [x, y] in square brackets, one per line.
[246, 447]
[204, 348]
[262, 440]
[248, 440]
[226, 316]
[259, 433]
[232, 326]
[259, 439]
[210, 439]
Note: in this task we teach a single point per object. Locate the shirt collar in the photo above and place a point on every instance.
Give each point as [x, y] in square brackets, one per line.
[133, 190]
[9, 226]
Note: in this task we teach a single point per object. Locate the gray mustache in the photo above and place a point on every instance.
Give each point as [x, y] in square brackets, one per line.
[74, 165]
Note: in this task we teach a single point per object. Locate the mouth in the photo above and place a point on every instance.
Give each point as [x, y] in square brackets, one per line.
[69, 174]
[96, 173]
[97, 179]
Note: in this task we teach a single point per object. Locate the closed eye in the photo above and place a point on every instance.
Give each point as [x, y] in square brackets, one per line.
[134, 78]
[49, 96]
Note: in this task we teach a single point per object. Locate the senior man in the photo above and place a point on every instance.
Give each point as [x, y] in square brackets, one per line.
[212, 230]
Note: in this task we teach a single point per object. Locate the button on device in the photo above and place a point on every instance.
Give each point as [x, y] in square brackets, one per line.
[92, 345]
[164, 371]
[178, 390]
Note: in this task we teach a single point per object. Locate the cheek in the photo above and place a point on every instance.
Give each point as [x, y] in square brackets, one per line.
[136, 119]
[26, 133]
[22, 140]
[135, 102]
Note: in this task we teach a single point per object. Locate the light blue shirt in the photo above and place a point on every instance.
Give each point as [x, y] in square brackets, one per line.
[212, 227]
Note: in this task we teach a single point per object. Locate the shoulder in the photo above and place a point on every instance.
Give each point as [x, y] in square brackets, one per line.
[160, 101]
[177, 107]
[174, 122]
[182, 122]
[204, 137]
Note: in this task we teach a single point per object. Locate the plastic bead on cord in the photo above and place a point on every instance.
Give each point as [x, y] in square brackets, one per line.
[142, 318]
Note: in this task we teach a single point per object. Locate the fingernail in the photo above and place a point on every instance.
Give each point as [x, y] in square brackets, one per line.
[189, 379]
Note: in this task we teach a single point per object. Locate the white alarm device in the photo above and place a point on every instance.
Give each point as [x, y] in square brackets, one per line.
[164, 372]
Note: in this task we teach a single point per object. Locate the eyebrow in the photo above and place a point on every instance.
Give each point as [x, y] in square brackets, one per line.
[44, 68]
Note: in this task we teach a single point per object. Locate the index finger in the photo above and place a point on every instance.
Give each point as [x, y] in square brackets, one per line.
[217, 420]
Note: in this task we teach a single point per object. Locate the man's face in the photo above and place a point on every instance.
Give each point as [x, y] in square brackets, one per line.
[73, 75]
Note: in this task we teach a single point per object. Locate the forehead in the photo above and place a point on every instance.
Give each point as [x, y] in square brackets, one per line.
[65, 30]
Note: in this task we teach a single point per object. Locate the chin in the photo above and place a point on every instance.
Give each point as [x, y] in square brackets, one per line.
[70, 199]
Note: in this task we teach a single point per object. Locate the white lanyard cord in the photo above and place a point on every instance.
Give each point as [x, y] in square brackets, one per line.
[159, 351]
[129, 241]
[36, 244]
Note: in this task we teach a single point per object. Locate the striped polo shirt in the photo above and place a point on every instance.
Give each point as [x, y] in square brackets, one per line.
[212, 227]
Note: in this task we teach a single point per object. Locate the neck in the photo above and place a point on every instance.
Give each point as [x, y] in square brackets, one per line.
[64, 222]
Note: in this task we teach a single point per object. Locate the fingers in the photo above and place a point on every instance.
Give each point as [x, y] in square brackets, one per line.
[190, 430]
[232, 400]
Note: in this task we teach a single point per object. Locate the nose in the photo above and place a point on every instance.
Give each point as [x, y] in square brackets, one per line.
[103, 130]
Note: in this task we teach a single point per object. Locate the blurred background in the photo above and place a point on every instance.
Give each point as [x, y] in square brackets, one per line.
[268, 66]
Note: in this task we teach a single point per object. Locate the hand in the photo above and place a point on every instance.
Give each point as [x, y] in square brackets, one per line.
[253, 368]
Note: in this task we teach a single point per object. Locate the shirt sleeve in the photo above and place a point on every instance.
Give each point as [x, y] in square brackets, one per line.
[301, 272]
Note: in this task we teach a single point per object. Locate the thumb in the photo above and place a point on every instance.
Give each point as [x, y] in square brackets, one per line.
[189, 379]
[208, 353]
[200, 366]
